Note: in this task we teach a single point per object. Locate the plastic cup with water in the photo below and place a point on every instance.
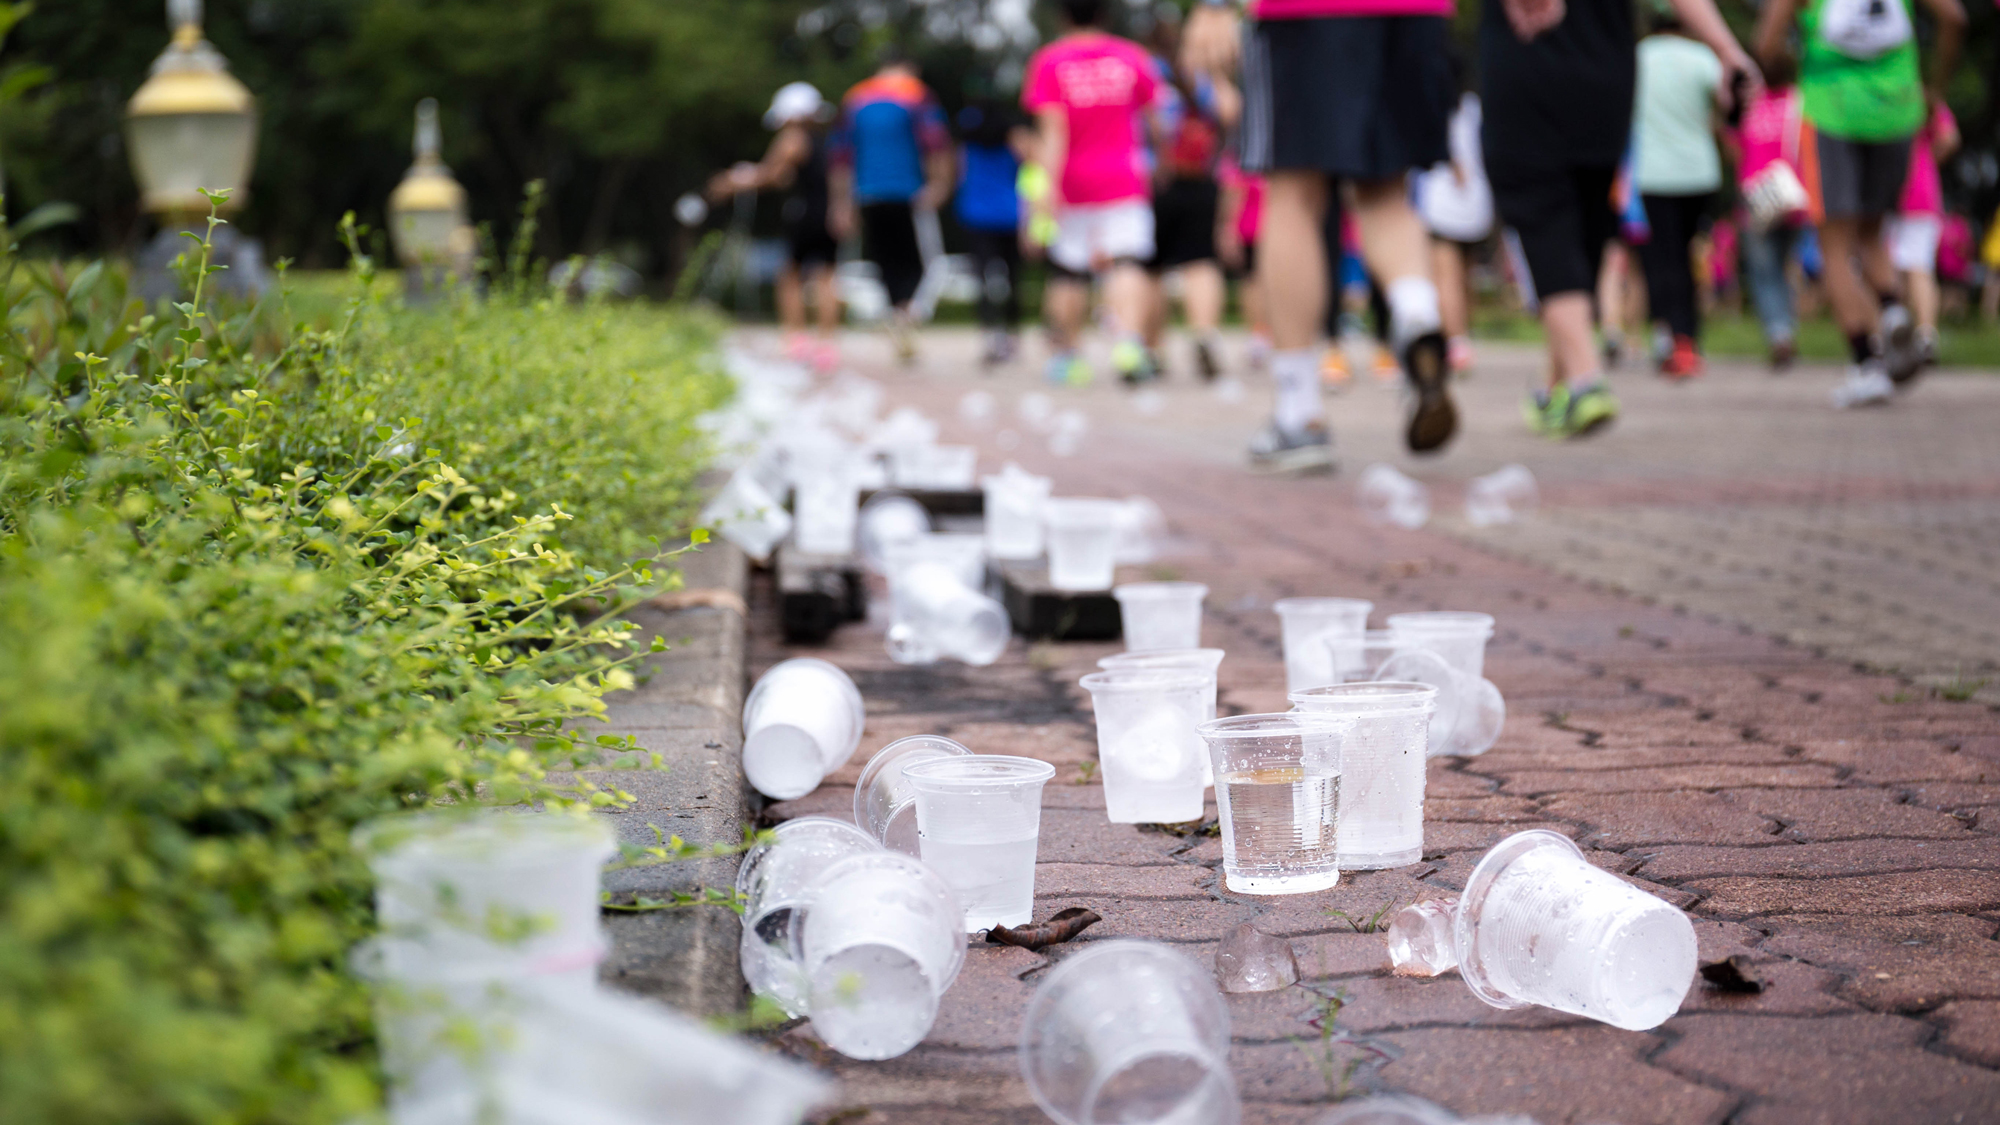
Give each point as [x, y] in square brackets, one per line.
[1082, 537]
[885, 802]
[883, 939]
[801, 721]
[1381, 768]
[1129, 1032]
[1148, 750]
[1160, 615]
[979, 818]
[775, 882]
[1458, 636]
[1277, 785]
[1014, 517]
[1204, 662]
[1315, 629]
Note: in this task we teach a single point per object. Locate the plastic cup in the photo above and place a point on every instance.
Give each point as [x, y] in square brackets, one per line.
[885, 803]
[1277, 784]
[1147, 747]
[1083, 534]
[1356, 658]
[776, 880]
[801, 721]
[1538, 924]
[1202, 661]
[1458, 636]
[1142, 528]
[883, 940]
[1381, 769]
[1401, 1109]
[888, 518]
[1422, 666]
[1310, 626]
[745, 513]
[1157, 615]
[1500, 496]
[1481, 715]
[825, 499]
[963, 554]
[937, 468]
[979, 818]
[1389, 496]
[1014, 503]
[935, 615]
[1130, 1032]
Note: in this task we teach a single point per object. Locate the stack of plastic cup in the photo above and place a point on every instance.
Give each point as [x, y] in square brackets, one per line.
[1083, 533]
[883, 939]
[801, 721]
[1459, 638]
[885, 802]
[1147, 748]
[1381, 768]
[1130, 1032]
[979, 818]
[1159, 615]
[1014, 503]
[775, 881]
[936, 615]
[1277, 785]
[1202, 661]
[1314, 630]
[745, 513]
[1538, 924]
[887, 519]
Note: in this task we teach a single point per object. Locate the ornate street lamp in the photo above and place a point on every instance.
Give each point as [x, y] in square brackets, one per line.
[427, 218]
[191, 126]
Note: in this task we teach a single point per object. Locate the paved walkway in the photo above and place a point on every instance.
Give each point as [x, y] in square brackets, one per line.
[1833, 823]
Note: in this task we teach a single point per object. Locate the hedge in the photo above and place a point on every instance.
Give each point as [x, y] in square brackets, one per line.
[259, 583]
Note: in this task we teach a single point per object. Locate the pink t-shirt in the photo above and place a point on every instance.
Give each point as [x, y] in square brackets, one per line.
[1321, 9]
[1104, 85]
[1767, 132]
[1251, 214]
[1922, 194]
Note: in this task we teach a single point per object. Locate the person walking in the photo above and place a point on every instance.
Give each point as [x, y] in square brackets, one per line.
[891, 156]
[1767, 141]
[1196, 110]
[796, 163]
[1862, 92]
[1678, 171]
[988, 206]
[1918, 225]
[1558, 95]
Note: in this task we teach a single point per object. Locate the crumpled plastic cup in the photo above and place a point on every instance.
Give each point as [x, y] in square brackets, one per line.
[1381, 820]
[1477, 709]
[775, 882]
[1389, 496]
[746, 514]
[1314, 630]
[1082, 537]
[979, 819]
[885, 803]
[801, 721]
[1205, 662]
[1129, 1032]
[1147, 746]
[883, 939]
[963, 553]
[1500, 496]
[1160, 615]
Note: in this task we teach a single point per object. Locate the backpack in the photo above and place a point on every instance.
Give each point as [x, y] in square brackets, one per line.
[1864, 29]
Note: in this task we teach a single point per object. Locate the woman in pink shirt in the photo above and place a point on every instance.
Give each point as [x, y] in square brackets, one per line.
[1913, 231]
[1768, 142]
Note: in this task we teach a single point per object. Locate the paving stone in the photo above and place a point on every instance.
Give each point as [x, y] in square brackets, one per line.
[1083, 836]
[1580, 1073]
[982, 1009]
[1896, 963]
[1972, 1030]
[1881, 762]
[1174, 920]
[1458, 836]
[1850, 857]
[1842, 814]
[1116, 881]
[1915, 892]
[1624, 820]
[1668, 779]
[1791, 988]
[1492, 810]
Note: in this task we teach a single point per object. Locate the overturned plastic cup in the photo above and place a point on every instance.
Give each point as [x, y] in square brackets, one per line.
[1013, 513]
[1458, 636]
[1381, 768]
[1148, 749]
[883, 939]
[1202, 661]
[1277, 787]
[1160, 615]
[1133, 1033]
[962, 553]
[1387, 495]
[1538, 924]
[885, 803]
[1422, 666]
[774, 883]
[979, 819]
[1315, 629]
[935, 615]
[801, 721]
[1082, 538]
[1500, 496]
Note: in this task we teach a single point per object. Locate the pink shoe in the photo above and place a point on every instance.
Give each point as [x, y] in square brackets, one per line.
[799, 348]
[826, 357]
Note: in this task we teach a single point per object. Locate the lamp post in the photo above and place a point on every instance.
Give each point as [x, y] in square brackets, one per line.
[192, 125]
[427, 217]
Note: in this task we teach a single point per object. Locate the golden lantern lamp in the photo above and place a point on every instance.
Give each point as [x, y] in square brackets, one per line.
[192, 125]
[427, 216]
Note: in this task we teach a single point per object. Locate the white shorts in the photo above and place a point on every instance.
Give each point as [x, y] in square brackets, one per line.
[1095, 234]
[1913, 242]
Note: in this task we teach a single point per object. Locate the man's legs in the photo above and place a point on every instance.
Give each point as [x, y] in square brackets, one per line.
[1397, 250]
[1203, 295]
[826, 299]
[1291, 268]
[791, 296]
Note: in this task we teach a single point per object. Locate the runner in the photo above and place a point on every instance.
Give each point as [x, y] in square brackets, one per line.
[1196, 110]
[1093, 96]
[1678, 172]
[989, 208]
[1862, 92]
[891, 156]
[1768, 140]
[796, 163]
[1918, 224]
[1456, 204]
[1236, 244]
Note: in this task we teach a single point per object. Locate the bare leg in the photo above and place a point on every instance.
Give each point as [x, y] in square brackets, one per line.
[1454, 292]
[1922, 289]
[1566, 324]
[1155, 327]
[1291, 260]
[826, 299]
[1202, 296]
[1129, 295]
[1855, 306]
[1611, 290]
[1064, 302]
[1393, 240]
[791, 300]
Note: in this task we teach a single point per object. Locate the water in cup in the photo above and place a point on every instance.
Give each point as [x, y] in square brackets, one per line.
[979, 817]
[994, 879]
[1284, 829]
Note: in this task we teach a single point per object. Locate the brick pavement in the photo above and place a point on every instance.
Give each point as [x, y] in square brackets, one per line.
[1832, 824]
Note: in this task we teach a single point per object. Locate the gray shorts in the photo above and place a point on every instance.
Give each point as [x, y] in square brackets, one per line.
[1861, 179]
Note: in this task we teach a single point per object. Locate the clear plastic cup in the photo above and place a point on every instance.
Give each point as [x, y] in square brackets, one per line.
[1481, 715]
[1381, 768]
[775, 881]
[1538, 924]
[1083, 533]
[825, 502]
[1311, 625]
[883, 939]
[1142, 528]
[1460, 637]
[1389, 496]
[1157, 615]
[939, 468]
[979, 818]
[1277, 784]
[1202, 661]
[1133, 1033]
[1147, 746]
[963, 554]
[1500, 496]
[801, 721]
[745, 513]
[1399, 1109]
[1422, 666]
[887, 519]
[1421, 943]
[885, 803]
[935, 615]
[1356, 658]
[1014, 503]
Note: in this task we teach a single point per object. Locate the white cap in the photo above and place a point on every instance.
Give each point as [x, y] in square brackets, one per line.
[793, 101]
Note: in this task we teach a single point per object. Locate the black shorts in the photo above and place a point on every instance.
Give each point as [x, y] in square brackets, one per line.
[1562, 218]
[808, 244]
[1358, 97]
[1184, 223]
[889, 239]
[1860, 179]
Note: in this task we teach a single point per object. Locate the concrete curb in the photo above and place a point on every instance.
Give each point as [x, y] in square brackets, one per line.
[688, 709]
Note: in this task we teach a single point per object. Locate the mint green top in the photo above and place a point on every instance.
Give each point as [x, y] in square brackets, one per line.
[1878, 99]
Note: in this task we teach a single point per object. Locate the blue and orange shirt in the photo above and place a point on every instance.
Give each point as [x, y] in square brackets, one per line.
[888, 124]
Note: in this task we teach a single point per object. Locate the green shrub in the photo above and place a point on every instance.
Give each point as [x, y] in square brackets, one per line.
[258, 585]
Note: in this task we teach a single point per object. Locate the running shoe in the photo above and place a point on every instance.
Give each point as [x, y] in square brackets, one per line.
[1133, 363]
[1783, 352]
[1385, 369]
[1435, 419]
[1205, 361]
[1274, 450]
[1589, 411]
[999, 348]
[1614, 350]
[1867, 384]
[1067, 369]
[1927, 346]
[1901, 357]
[1683, 361]
[799, 347]
[1545, 410]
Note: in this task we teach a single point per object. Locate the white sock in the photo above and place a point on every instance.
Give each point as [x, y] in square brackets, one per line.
[1297, 375]
[1413, 309]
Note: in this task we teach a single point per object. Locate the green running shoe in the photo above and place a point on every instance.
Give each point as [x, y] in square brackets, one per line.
[1545, 410]
[1588, 411]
